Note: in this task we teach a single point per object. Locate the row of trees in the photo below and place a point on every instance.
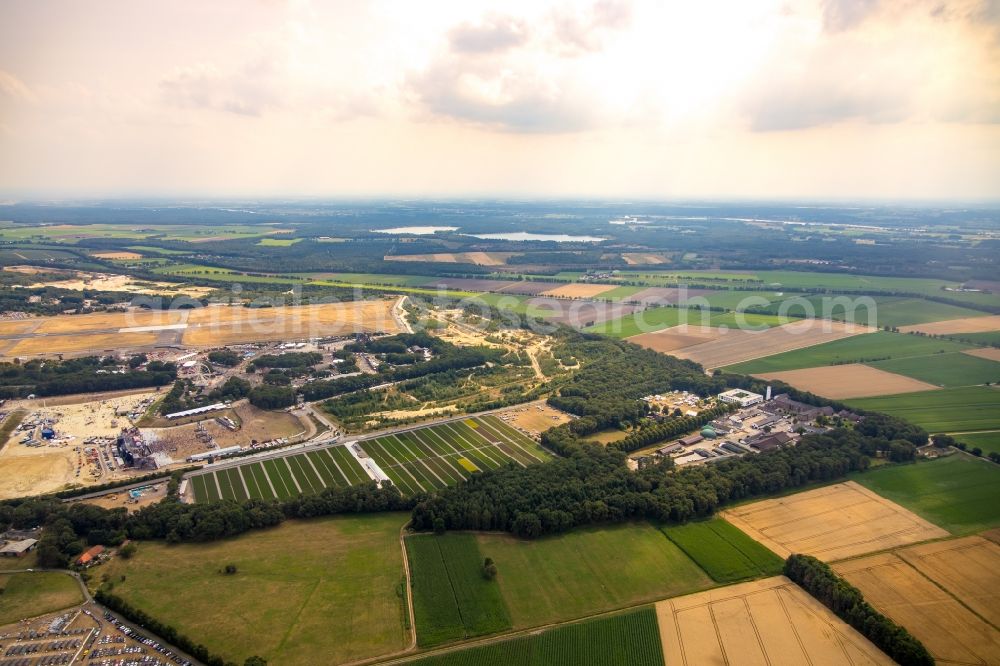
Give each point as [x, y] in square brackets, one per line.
[593, 485]
[669, 429]
[79, 375]
[849, 604]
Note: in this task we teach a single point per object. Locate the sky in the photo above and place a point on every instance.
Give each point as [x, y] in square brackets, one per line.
[761, 99]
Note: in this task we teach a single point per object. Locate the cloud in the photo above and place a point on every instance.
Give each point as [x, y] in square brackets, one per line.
[840, 15]
[15, 88]
[577, 32]
[248, 91]
[492, 34]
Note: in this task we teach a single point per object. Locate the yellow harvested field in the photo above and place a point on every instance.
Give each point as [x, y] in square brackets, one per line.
[91, 342]
[677, 337]
[831, 523]
[770, 621]
[983, 324]
[477, 258]
[121, 256]
[108, 321]
[737, 346]
[989, 353]
[578, 290]
[851, 380]
[15, 326]
[644, 258]
[228, 325]
[946, 593]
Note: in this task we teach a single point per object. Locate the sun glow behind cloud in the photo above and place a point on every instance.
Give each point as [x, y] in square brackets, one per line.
[808, 98]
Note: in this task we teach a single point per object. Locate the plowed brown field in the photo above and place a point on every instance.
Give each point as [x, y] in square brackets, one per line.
[851, 380]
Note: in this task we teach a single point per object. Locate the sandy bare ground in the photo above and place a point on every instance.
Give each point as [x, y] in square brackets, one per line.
[579, 290]
[851, 380]
[534, 418]
[127, 284]
[771, 621]
[28, 470]
[989, 353]
[227, 325]
[677, 337]
[110, 321]
[946, 593]
[644, 258]
[122, 255]
[982, 324]
[16, 326]
[736, 346]
[831, 523]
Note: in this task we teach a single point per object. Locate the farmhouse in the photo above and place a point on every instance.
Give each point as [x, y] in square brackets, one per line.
[741, 397]
[770, 442]
[18, 548]
[90, 555]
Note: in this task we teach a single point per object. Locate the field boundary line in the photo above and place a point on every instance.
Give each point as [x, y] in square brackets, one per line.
[337, 465]
[314, 468]
[291, 473]
[246, 489]
[218, 486]
[900, 556]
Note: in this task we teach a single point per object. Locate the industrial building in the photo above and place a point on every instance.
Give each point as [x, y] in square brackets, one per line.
[741, 397]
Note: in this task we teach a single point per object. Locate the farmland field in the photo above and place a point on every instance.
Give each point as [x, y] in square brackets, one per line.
[724, 552]
[952, 370]
[851, 380]
[741, 345]
[644, 321]
[451, 597]
[855, 349]
[305, 592]
[579, 290]
[946, 593]
[678, 337]
[958, 493]
[831, 523]
[417, 460]
[29, 594]
[945, 410]
[585, 571]
[983, 324]
[987, 441]
[770, 621]
[629, 638]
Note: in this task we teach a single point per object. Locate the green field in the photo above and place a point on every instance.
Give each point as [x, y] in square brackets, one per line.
[644, 321]
[959, 493]
[278, 242]
[855, 349]
[953, 369]
[723, 551]
[417, 460]
[631, 638]
[887, 310]
[944, 410]
[305, 592]
[451, 597]
[588, 570]
[987, 441]
[29, 594]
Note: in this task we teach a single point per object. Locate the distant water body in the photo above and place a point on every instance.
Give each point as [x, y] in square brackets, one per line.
[415, 231]
[527, 236]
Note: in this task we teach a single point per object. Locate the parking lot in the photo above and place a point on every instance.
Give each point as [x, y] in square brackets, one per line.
[88, 635]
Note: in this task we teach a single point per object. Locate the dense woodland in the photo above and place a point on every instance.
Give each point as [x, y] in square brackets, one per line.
[45, 377]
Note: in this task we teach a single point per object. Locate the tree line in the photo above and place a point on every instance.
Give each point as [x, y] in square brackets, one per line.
[849, 604]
